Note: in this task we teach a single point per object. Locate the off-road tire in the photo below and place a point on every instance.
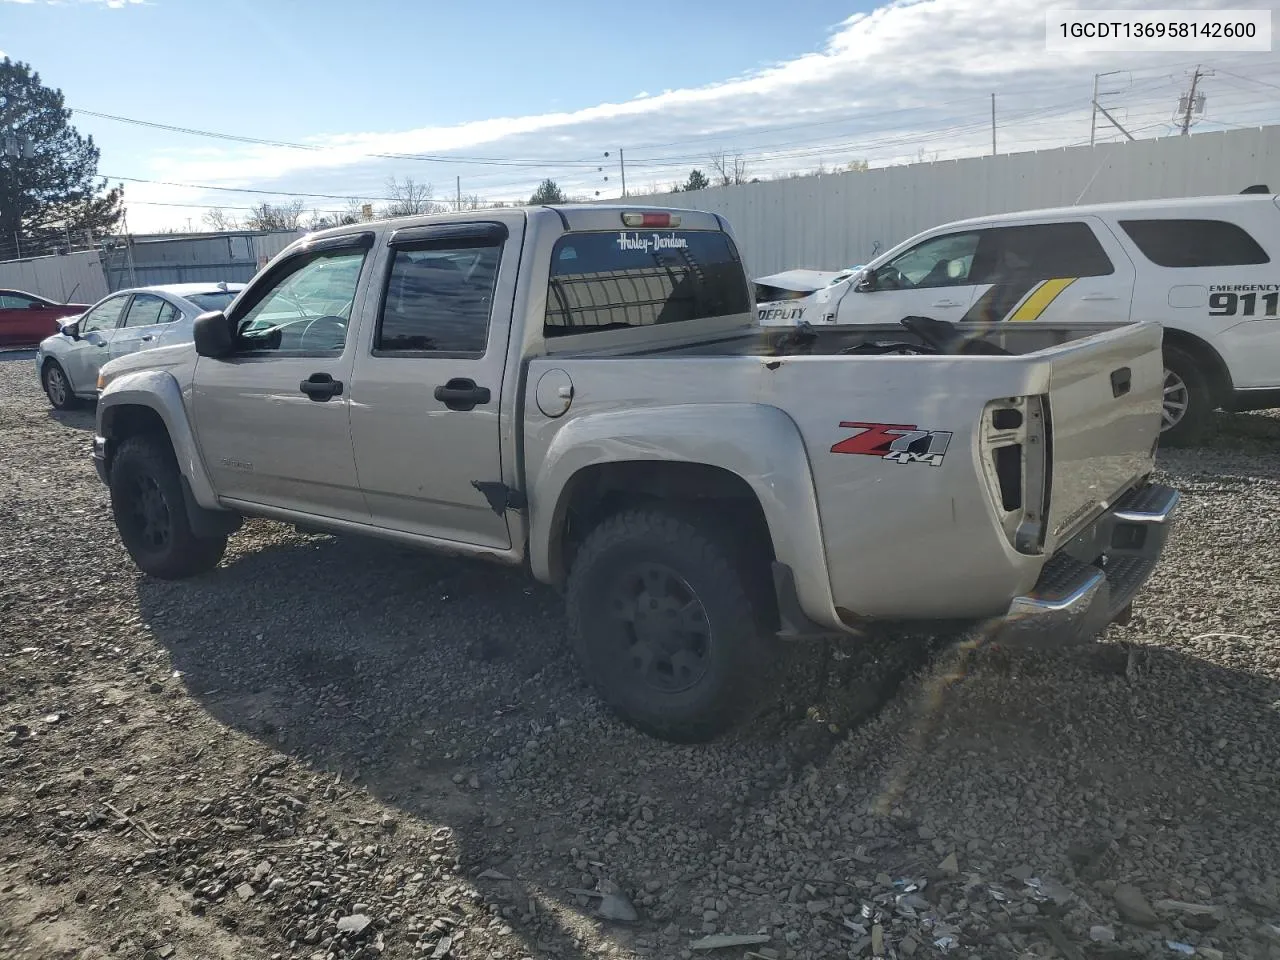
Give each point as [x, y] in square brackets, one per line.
[145, 482]
[724, 572]
[1192, 428]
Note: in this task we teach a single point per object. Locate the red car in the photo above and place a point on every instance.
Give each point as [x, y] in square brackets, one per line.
[26, 319]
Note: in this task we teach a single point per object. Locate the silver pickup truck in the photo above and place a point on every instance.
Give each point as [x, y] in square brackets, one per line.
[583, 390]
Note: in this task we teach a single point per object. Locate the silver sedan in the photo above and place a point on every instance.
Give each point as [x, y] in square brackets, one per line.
[124, 322]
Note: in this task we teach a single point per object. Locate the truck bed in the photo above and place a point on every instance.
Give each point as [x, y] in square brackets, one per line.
[975, 504]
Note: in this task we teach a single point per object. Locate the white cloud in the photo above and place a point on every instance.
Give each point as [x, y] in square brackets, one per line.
[112, 4]
[909, 80]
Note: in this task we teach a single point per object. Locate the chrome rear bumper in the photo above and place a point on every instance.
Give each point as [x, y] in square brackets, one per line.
[1092, 580]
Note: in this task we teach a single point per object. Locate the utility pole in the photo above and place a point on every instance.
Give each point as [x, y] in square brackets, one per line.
[1116, 123]
[1191, 102]
[993, 124]
[1093, 120]
[622, 167]
[459, 184]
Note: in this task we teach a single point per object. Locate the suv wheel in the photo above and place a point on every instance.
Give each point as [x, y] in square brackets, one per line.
[151, 513]
[1187, 401]
[670, 628]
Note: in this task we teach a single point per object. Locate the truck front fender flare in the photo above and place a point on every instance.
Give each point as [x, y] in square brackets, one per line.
[159, 392]
[756, 442]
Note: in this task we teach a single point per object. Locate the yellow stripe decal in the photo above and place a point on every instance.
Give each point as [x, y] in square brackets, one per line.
[1035, 304]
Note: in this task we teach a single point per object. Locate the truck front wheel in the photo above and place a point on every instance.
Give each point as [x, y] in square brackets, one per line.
[151, 514]
[669, 624]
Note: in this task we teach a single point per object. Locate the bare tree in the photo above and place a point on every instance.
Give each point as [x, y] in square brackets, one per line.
[728, 170]
[410, 198]
[473, 201]
[856, 166]
[353, 213]
[321, 220]
[218, 219]
[268, 216]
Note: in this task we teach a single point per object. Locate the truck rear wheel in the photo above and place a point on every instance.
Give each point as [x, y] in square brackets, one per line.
[1187, 401]
[669, 624]
[151, 513]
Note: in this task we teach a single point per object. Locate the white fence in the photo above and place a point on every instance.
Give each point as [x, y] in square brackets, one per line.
[72, 277]
[837, 220]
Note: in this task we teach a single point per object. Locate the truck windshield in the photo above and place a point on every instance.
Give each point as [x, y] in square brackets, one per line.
[639, 278]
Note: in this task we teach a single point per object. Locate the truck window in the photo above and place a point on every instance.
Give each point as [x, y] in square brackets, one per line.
[1040, 251]
[640, 278]
[1194, 243]
[438, 297]
[308, 306]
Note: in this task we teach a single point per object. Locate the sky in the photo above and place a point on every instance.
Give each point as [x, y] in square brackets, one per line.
[501, 94]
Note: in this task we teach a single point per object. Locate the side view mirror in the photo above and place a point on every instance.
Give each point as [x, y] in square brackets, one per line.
[36, 306]
[71, 329]
[213, 335]
[866, 283]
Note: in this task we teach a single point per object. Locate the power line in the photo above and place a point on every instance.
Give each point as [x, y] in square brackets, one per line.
[313, 147]
[273, 193]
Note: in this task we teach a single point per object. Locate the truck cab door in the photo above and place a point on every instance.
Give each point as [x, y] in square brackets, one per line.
[425, 418]
[272, 419]
[930, 279]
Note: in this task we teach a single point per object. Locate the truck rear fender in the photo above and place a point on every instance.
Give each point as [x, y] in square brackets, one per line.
[760, 445]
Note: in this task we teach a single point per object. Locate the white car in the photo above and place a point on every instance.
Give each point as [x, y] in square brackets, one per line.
[123, 322]
[1206, 268]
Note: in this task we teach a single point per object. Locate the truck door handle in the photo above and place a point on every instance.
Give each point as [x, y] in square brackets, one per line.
[321, 387]
[149, 337]
[1098, 296]
[461, 393]
[946, 303]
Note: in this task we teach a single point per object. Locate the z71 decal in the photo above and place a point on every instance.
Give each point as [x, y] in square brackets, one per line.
[899, 442]
[1257, 301]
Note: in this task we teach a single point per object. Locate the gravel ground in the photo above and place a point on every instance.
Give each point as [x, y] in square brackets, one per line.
[337, 749]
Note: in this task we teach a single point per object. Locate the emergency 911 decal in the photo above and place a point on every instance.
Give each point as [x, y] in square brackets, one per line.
[897, 442]
[1253, 301]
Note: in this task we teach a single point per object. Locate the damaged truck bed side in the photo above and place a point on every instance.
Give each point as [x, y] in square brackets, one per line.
[583, 390]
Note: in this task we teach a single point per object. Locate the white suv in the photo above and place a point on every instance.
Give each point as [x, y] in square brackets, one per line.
[1206, 268]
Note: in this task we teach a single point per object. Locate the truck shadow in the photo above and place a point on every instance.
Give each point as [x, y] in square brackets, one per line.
[81, 419]
[445, 689]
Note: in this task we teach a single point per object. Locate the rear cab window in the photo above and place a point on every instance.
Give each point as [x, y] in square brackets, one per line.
[642, 278]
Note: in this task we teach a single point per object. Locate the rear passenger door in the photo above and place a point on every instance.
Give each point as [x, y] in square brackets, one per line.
[1069, 272]
[147, 318]
[425, 419]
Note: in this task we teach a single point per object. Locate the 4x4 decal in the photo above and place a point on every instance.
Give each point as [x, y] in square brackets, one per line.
[899, 442]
